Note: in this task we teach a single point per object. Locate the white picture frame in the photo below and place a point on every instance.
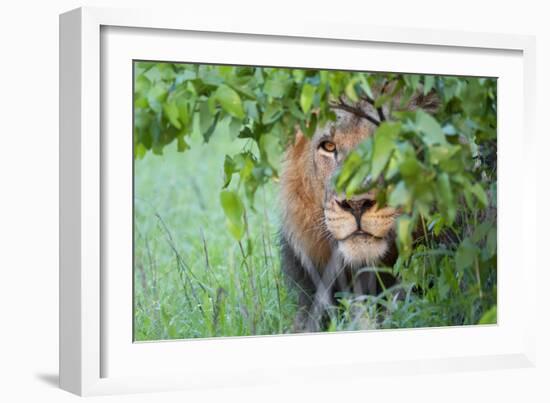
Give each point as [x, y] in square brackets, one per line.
[96, 354]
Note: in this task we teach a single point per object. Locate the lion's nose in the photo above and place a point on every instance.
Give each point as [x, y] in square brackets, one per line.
[356, 206]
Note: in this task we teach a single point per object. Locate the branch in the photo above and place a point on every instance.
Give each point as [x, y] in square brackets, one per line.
[342, 105]
[381, 114]
[379, 109]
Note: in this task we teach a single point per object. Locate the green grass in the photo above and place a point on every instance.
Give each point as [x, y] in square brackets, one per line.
[191, 278]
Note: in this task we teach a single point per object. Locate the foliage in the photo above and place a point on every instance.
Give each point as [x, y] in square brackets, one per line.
[264, 105]
[191, 278]
[439, 170]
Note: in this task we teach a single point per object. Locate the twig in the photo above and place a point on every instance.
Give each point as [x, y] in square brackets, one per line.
[379, 109]
[357, 111]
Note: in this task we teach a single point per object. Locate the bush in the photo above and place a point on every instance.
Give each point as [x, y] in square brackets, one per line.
[439, 168]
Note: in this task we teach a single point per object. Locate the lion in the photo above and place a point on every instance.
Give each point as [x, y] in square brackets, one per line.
[327, 237]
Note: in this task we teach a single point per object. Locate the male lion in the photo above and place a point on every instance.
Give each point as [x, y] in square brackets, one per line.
[326, 237]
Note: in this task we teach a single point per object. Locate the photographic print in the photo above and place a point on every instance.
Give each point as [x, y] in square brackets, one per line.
[270, 200]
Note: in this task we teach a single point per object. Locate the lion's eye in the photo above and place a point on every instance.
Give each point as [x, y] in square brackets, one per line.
[328, 146]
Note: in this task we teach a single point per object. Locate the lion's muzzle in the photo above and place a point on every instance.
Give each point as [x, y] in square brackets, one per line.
[361, 229]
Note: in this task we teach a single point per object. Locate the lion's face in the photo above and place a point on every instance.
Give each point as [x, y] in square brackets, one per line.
[360, 229]
[320, 227]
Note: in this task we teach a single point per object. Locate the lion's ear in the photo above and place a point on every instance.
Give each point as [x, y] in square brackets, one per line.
[429, 102]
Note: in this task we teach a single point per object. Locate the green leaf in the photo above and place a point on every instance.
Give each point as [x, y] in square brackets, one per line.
[181, 143]
[357, 180]
[234, 211]
[156, 95]
[481, 231]
[172, 113]
[141, 102]
[410, 167]
[142, 84]
[210, 130]
[269, 144]
[234, 128]
[350, 90]
[140, 151]
[229, 169]
[349, 168]
[298, 75]
[365, 86]
[437, 223]
[272, 112]
[489, 317]
[381, 100]
[295, 110]
[306, 97]
[310, 130]
[153, 74]
[183, 112]
[439, 153]
[236, 230]
[251, 109]
[412, 80]
[232, 205]
[275, 87]
[156, 134]
[445, 195]
[465, 254]
[400, 196]
[404, 237]
[384, 139]
[428, 84]
[226, 71]
[430, 128]
[480, 194]
[205, 117]
[492, 242]
[230, 101]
